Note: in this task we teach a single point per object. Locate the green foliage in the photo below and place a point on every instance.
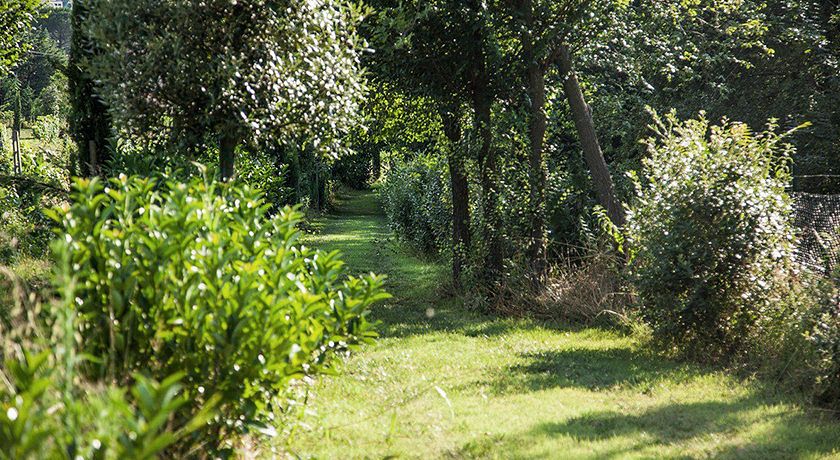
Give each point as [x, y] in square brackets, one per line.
[39, 64]
[39, 420]
[16, 16]
[47, 128]
[13, 224]
[585, 392]
[57, 23]
[26, 97]
[53, 99]
[747, 60]
[260, 170]
[415, 197]
[262, 72]
[90, 123]
[709, 233]
[195, 278]
[24, 230]
[825, 337]
[48, 410]
[356, 170]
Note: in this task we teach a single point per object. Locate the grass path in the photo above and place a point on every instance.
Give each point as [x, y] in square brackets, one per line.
[443, 382]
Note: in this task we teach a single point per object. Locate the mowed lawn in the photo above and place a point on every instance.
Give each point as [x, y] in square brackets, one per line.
[445, 382]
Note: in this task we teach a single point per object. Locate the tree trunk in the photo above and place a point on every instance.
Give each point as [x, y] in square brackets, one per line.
[482, 108]
[93, 161]
[461, 241]
[295, 173]
[536, 133]
[321, 176]
[489, 189]
[376, 172]
[90, 123]
[589, 140]
[227, 152]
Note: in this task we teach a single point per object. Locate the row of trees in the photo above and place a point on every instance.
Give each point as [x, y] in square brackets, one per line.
[494, 86]
[511, 79]
[463, 56]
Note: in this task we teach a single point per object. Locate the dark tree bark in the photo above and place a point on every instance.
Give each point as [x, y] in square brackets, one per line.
[90, 124]
[461, 240]
[321, 177]
[376, 163]
[227, 153]
[489, 187]
[589, 140]
[482, 99]
[537, 124]
[295, 173]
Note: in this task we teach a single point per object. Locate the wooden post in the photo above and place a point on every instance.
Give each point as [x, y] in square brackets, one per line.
[18, 164]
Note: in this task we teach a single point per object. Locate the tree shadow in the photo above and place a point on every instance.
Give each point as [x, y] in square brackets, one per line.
[791, 434]
[594, 369]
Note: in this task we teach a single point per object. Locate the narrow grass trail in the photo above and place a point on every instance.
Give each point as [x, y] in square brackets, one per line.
[444, 382]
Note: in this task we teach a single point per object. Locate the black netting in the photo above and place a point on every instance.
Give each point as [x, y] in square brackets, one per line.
[817, 219]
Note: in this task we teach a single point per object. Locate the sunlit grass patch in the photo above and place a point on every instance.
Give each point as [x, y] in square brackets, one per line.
[446, 382]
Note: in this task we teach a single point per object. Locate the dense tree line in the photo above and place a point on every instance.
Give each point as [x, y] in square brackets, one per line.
[520, 87]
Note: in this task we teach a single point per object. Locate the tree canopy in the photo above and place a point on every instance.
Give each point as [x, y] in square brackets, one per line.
[249, 72]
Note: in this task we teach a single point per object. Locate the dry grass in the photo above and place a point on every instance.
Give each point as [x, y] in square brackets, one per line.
[585, 291]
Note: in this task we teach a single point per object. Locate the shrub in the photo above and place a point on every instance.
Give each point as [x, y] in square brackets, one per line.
[260, 170]
[709, 233]
[24, 231]
[825, 337]
[416, 199]
[195, 278]
[48, 411]
[37, 420]
[47, 127]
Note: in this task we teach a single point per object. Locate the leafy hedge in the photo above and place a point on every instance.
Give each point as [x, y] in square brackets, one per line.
[710, 233]
[416, 198]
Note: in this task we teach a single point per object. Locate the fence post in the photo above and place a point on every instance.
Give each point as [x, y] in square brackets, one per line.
[18, 166]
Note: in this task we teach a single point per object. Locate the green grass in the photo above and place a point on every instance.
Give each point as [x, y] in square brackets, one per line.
[444, 382]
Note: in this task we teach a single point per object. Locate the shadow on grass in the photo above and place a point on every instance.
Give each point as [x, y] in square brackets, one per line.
[359, 230]
[790, 434]
[673, 431]
[592, 369]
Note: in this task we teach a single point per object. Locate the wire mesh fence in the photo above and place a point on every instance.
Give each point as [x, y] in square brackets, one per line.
[817, 218]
